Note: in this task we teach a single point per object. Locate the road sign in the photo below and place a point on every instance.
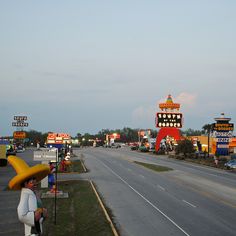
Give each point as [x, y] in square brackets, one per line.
[46, 155]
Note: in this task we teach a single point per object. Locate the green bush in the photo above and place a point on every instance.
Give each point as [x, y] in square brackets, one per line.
[184, 146]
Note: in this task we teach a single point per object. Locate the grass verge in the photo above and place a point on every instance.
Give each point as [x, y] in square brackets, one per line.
[153, 167]
[80, 214]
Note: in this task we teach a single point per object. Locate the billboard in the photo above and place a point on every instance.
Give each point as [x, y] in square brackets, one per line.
[223, 127]
[169, 120]
[19, 135]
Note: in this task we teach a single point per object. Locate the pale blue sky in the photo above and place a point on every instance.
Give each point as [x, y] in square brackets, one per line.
[80, 66]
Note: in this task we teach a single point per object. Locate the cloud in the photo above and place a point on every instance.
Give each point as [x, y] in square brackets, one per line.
[144, 116]
[186, 99]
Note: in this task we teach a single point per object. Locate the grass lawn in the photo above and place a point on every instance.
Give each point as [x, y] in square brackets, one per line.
[153, 167]
[80, 214]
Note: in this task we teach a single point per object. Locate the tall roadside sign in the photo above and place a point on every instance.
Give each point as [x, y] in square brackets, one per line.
[20, 121]
[223, 132]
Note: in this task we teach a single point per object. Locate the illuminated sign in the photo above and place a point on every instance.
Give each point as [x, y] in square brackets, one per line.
[223, 140]
[143, 133]
[20, 118]
[114, 136]
[222, 134]
[223, 127]
[169, 120]
[58, 138]
[223, 146]
[20, 124]
[19, 135]
[20, 121]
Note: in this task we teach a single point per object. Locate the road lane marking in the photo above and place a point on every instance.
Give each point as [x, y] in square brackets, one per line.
[189, 203]
[129, 169]
[213, 175]
[142, 176]
[159, 186]
[145, 199]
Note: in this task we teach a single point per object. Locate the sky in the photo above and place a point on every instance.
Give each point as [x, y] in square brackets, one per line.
[82, 66]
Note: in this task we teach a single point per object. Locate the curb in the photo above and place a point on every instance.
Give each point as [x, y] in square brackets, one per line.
[82, 163]
[104, 210]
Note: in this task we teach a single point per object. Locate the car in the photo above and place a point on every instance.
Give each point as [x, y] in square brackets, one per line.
[143, 149]
[10, 152]
[20, 149]
[115, 145]
[231, 164]
[133, 147]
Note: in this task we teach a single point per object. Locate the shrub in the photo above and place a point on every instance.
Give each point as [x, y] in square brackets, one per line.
[184, 146]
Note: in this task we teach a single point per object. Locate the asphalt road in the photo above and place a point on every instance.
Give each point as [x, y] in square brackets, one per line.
[190, 200]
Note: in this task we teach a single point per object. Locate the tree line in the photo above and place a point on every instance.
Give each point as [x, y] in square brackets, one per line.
[126, 135]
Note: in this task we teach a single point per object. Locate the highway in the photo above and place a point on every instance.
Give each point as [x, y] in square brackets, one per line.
[189, 200]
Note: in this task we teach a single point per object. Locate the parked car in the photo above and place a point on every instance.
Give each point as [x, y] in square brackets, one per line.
[231, 164]
[10, 152]
[20, 149]
[133, 147]
[143, 149]
[115, 145]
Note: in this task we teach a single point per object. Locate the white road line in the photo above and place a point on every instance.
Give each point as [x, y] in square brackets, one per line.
[145, 199]
[159, 186]
[142, 176]
[129, 169]
[213, 175]
[189, 203]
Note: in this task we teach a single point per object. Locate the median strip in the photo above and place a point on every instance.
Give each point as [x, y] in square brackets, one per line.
[156, 168]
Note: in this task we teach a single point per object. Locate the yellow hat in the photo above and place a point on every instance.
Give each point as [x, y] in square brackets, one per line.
[25, 172]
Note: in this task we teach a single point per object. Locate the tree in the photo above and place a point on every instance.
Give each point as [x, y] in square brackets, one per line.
[207, 128]
[192, 132]
[184, 146]
[36, 137]
[79, 135]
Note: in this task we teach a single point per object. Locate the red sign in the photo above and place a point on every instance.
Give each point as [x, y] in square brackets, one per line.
[58, 138]
[114, 136]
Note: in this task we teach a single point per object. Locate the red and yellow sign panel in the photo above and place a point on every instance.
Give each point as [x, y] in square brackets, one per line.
[58, 138]
[19, 135]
